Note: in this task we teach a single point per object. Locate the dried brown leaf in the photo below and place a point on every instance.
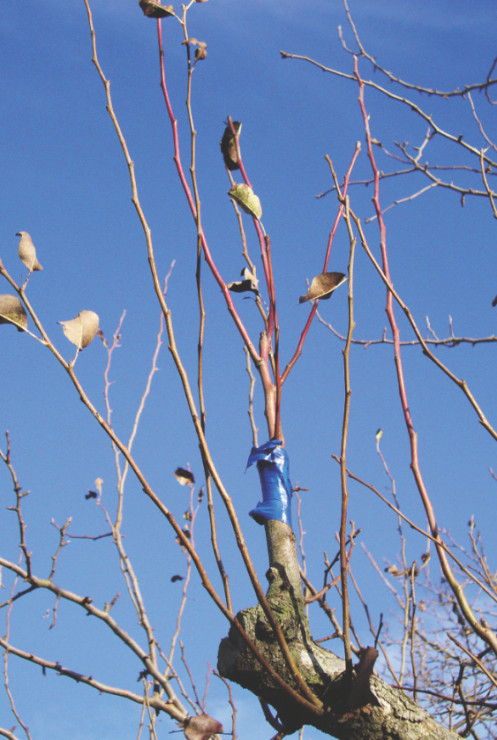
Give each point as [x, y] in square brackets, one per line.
[228, 146]
[184, 476]
[249, 282]
[155, 10]
[322, 286]
[201, 727]
[82, 329]
[201, 52]
[12, 312]
[27, 252]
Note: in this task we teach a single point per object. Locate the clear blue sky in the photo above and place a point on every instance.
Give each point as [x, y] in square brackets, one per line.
[65, 181]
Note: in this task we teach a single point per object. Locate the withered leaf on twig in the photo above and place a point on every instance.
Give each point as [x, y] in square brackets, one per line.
[101, 336]
[200, 51]
[248, 282]
[155, 10]
[228, 146]
[27, 252]
[201, 727]
[246, 199]
[185, 477]
[12, 312]
[398, 572]
[187, 534]
[322, 286]
[82, 329]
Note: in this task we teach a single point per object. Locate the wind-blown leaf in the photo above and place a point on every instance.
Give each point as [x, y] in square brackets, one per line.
[228, 146]
[27, 252]
[201, 727]
[200, 51]
[185, 477]
[82, 329]
[12, 312]
[322, 286]
[155, 10]
[246, 199]
[248, 282]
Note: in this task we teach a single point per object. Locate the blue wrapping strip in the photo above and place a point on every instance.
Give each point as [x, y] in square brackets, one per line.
[273, 466]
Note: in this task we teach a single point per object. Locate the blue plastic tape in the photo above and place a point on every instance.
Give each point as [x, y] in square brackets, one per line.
[273, 466]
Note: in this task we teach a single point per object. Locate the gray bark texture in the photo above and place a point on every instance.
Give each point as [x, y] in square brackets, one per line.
[357, 705]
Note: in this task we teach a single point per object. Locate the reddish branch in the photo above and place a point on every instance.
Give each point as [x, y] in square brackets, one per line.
[484, 632]
[311, 701]
[177, 160]
[314, 308]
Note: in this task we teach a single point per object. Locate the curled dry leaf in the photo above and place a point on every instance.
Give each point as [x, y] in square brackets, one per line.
[82, 329]
[101, 336]
[322, 286]
[27, 252]
[246, 199]
[187, 534]
[228, 146]
[185, 477]
[200, 727]
[12, 312]
[155, 10]
[397, 572]
[249, 282]
[200, 51]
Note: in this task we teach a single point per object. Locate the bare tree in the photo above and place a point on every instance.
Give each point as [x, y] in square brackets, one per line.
[437, 674]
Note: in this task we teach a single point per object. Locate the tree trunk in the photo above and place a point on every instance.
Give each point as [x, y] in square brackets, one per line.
[357, 707]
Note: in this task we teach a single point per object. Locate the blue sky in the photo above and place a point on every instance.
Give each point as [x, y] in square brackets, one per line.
[65, 182]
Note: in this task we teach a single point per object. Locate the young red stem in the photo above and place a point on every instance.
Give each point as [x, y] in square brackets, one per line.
[208, 257]
[314, 308]
[482, 630]
[272, 389]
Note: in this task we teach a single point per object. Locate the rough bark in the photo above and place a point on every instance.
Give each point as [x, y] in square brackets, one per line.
[358, 707]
